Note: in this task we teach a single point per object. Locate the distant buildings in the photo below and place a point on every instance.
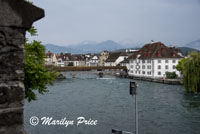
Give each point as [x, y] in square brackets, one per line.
[152, 60]
[103, 57]
[50, 58]
[115, 58]
[93, 60]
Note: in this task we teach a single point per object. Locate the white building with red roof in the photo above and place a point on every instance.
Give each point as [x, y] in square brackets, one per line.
[154, 60]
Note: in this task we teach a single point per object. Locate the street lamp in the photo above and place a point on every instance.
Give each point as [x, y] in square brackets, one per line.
[133, 87]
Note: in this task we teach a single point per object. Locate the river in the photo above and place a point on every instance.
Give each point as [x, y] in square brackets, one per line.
[162, 109]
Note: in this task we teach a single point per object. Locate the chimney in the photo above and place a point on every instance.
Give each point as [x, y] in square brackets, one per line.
[152, 41]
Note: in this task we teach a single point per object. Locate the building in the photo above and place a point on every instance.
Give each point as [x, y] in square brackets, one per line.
[102, 58]
[93, 61]
[154, 60]
[50, 58]
[73, 60]
[115, 58]
[60, 62]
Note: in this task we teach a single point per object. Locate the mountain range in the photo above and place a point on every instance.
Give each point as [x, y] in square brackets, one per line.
[109, 45]
[194, 44]
[85, 47]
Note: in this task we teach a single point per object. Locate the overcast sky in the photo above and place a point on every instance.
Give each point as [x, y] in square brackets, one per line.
[173, 22]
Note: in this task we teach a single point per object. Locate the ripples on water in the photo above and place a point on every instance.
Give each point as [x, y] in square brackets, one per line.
[162, 109]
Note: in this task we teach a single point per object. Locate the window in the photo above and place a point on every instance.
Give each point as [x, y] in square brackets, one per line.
[149, 73]
[148, 61]
[148, 67]
[166, 67]
[159, 66]
[131, 66]
[159, 73]
[131, 71]
[143, 66]
[135, 72]
[159, 61]
[173, 61]
[174, 67]
[143, 61]
[139, 72]
[143, 72]
[166, 61]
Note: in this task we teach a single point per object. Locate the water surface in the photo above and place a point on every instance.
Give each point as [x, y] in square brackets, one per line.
[162, 109]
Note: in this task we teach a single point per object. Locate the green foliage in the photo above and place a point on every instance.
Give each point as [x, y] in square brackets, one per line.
[28, 1]
[37, 76]
[180, 65]
[33, 31]
[71, 64]
[171, 75]
[191, 72]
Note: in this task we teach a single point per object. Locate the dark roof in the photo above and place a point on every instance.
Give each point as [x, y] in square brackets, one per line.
[69, 57]
[113, 56]
[133, 56]
[157, 50]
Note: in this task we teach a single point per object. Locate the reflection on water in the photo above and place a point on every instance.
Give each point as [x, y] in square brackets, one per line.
[162, 109]
[191, 101]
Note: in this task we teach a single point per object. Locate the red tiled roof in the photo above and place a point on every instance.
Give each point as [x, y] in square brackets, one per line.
[49, 54]
[157, 50]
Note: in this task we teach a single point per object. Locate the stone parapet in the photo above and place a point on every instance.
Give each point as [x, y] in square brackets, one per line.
[16, 16]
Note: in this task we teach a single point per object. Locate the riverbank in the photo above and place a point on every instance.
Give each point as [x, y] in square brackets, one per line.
[159, 80]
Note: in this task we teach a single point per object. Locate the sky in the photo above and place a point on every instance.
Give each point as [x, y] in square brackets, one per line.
[67, 22]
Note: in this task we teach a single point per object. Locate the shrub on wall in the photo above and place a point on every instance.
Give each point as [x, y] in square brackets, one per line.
[171, 75]
[71, 64]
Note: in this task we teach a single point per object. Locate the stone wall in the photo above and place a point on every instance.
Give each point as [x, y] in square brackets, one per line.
[16, 16]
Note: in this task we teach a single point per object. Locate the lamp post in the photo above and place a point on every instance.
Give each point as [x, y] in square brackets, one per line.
[133, 87]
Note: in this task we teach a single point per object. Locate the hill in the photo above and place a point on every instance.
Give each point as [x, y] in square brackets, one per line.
[194, 44]
[85, 47]
[187, 50]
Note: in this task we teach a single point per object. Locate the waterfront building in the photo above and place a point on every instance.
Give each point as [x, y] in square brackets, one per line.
[50, 58]
[125, 63]
[154, 60]
[115, 58]
[60, 63]
[102, 58]
[93, 61]
[73, 60]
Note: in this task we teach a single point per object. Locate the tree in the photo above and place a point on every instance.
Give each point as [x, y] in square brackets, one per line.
[180, 65]
[37, 76]
[190, 68]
